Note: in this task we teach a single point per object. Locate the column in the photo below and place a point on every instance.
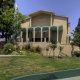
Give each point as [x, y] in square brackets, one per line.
[41, 34]
[51, 20]
[30, 21]
[49, 34]
[33, 34]
[27, 35]
[21, 33]
[21, 36]
[57, 34]
[68, 37]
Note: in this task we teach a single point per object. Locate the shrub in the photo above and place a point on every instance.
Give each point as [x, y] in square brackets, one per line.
[17, 48]
[76, 52]
[38, 49]
[23, 47]
[1, 45]
[60, 48]
[15, 53]
[8, 48]
[12, 41]
[72, 43]
[53, 46]
[1, 51]
[32, 49]
[19, 51]
[27, 46]
[47, 48]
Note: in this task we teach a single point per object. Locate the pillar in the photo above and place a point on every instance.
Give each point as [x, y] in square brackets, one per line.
[49, 34]
[33, 34]
[41, 34]
[67, 39]
[30, 21]
[21, 36]
[51, 20]
[44, 39]
[27, 35]
[44, 36]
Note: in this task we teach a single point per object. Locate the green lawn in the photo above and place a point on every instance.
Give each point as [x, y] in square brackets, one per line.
[11, 67]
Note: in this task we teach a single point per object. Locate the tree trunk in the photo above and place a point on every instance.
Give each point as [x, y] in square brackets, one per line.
[6, 36]
[72, 50]
[2, 34]
[9, 37]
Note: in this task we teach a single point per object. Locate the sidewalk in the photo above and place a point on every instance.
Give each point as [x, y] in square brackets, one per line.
[72, 78]
[10, 55]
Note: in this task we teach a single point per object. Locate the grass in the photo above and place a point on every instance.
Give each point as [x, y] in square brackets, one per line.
[11, 67]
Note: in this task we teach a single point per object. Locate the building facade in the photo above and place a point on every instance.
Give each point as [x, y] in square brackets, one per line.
[45, 26]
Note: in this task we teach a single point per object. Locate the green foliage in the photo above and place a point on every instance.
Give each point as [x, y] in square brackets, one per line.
[32, 49]
[53, 46]
[76, 35]
[27, 46]
[60, 47]
[5, 3]
[6, 14]
[15, 53]
[17, 48]
[23, 47]
[38, 49]
[8, 48]
[22, 65]
[72, 43]
[1, 51]
[11, 23]
[76, 52]
[18, 20]
[47, 48]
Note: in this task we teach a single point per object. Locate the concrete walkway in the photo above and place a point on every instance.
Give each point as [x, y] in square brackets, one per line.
[72, 78]
[10, 55]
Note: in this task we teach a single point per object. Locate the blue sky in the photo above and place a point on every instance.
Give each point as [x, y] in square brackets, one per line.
[70, 8]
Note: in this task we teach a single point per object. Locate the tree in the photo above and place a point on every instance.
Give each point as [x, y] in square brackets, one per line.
[4, 3]
[11, 24]
[76, 35]
[10, 19]
[3, 6]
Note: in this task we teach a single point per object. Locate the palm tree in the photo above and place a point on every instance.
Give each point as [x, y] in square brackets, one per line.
[53, 47]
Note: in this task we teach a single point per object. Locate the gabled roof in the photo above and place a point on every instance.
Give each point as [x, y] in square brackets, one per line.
[41, 11]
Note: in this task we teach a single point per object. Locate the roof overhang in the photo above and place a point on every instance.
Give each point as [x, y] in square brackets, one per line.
[41, 12]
